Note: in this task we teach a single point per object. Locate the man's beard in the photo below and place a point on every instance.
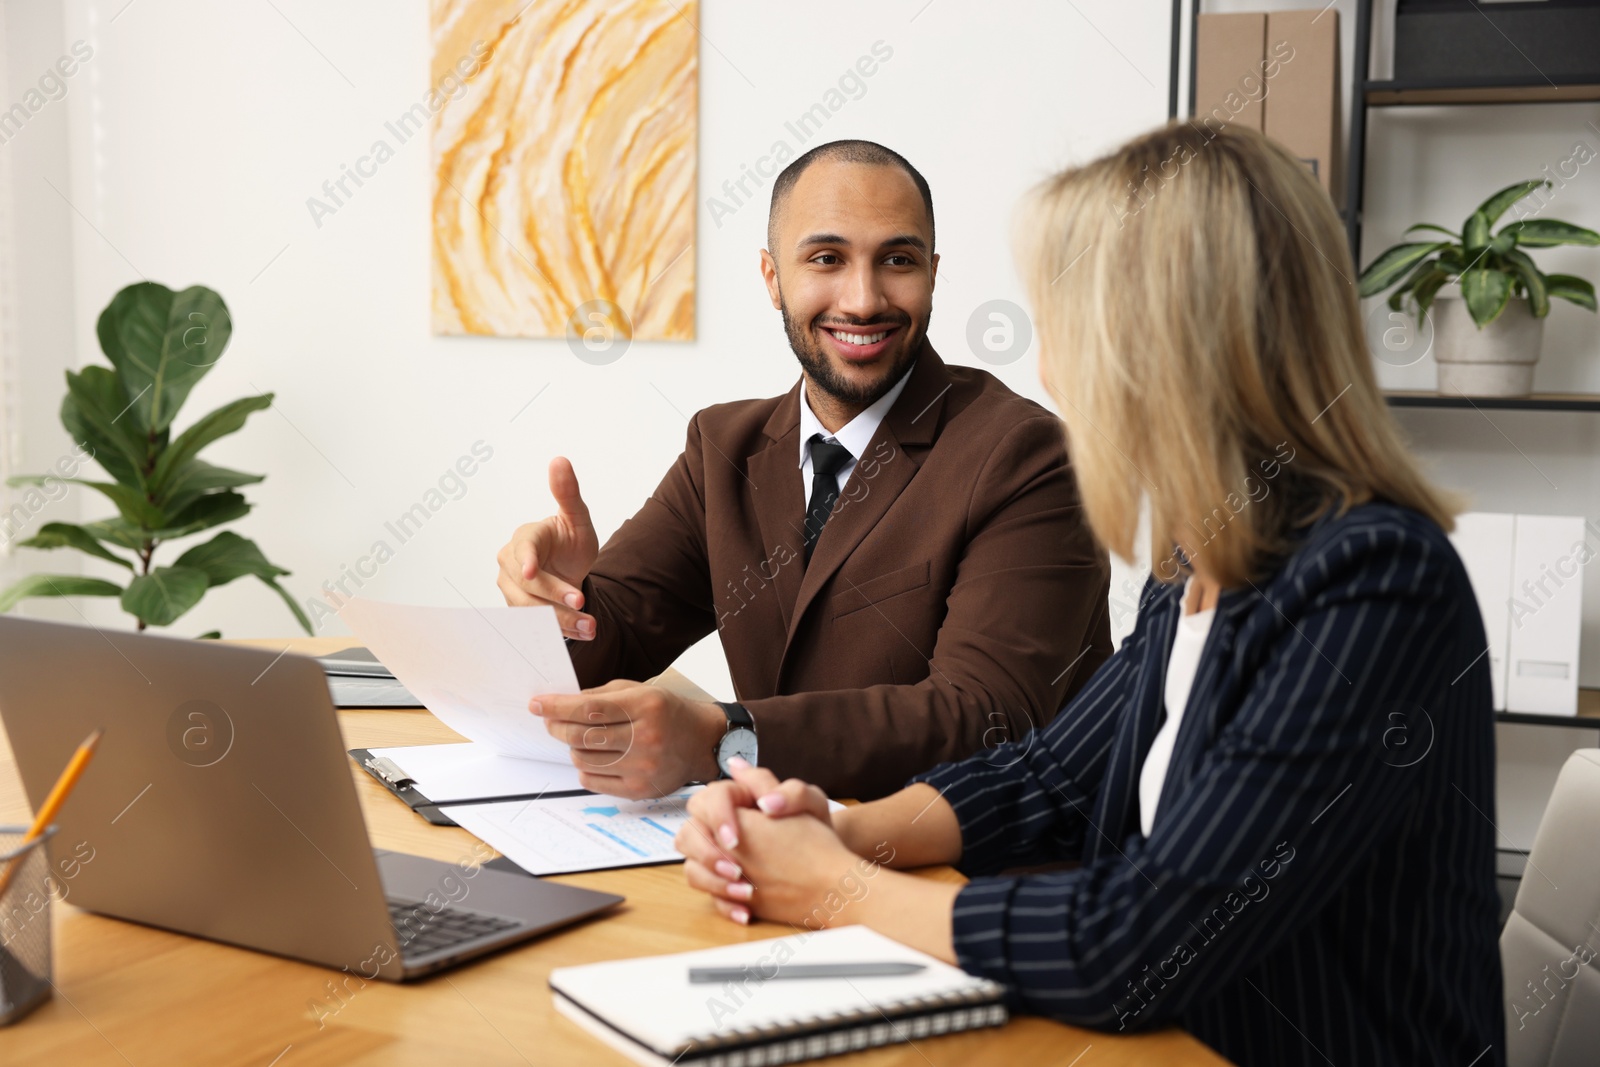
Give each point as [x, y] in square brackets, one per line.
[821, 373]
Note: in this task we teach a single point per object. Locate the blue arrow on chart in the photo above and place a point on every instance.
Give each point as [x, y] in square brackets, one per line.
[610, 813]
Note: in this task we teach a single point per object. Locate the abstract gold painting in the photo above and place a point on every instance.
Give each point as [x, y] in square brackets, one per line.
[564, 148]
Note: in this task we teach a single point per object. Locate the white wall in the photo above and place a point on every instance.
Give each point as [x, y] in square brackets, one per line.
[198, 131]
[41, 315]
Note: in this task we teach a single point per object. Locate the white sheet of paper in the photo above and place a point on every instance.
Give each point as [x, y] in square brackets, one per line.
[560, 835]
[474, 668]
[457, 772]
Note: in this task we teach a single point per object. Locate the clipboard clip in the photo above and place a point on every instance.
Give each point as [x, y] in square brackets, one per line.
[389, 771]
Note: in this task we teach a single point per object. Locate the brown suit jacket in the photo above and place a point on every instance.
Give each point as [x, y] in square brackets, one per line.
[954, 600]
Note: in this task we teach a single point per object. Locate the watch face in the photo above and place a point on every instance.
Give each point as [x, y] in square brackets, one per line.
[738, 741]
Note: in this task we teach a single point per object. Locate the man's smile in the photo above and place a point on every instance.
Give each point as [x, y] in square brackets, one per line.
[859, 345]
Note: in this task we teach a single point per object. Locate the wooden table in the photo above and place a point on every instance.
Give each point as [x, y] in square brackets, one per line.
[129, 994]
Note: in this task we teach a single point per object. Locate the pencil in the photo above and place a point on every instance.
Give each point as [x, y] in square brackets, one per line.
[52, 803]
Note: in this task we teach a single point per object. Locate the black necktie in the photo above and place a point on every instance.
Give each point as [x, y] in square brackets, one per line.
[827, 457]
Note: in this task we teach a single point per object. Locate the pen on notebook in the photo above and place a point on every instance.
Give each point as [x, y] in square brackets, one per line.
[755, 972]
[52, 803]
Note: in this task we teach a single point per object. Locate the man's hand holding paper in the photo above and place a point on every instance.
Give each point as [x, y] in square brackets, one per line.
[634, 740]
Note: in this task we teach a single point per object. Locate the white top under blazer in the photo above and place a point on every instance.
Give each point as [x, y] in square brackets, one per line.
[1182, 664]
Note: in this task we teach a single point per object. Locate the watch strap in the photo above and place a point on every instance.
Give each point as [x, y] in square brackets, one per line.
[739, 718]
[738, 715]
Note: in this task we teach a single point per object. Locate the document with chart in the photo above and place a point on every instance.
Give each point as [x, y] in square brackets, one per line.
[560, 835]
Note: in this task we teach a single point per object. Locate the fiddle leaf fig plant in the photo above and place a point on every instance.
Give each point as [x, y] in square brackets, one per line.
[1492, 267]
[160, 344]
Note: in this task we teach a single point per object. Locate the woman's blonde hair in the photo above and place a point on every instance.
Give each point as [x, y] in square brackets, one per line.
[1199, 328]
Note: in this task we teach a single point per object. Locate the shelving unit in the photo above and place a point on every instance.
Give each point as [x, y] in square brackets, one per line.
[1478, 91]
[1588, 717]
[1365, 93]
[1401, 398]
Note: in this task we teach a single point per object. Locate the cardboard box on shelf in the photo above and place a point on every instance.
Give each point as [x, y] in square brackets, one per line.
[1229, 86]
[1277, 72]
[1301, 112]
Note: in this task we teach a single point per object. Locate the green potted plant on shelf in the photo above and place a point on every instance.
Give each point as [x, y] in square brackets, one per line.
[1487, 338]
[160, 343]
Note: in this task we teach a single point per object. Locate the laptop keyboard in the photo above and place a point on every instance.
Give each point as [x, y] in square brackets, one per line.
[422, 930]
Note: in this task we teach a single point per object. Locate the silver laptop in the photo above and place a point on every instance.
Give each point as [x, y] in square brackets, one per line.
[220, 804]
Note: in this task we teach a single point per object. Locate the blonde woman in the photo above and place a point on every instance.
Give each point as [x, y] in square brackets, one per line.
[1277, 794]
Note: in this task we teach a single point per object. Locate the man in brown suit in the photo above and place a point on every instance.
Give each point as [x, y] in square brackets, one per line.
[893, 552]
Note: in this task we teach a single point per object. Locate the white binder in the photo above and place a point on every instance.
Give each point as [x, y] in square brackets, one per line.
[1485, 542]
[1546, 614]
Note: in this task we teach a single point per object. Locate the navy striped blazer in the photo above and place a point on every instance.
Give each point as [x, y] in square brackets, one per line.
[1318, 887]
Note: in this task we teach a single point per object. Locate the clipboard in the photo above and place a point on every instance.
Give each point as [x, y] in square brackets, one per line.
[403, 787]
[389, 774]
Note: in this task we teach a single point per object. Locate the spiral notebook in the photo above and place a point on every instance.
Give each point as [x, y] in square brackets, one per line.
[648, 1010]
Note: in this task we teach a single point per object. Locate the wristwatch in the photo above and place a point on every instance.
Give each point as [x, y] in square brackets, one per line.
[738, 740]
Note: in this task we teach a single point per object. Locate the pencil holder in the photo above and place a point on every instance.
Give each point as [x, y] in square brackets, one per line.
[24, 923]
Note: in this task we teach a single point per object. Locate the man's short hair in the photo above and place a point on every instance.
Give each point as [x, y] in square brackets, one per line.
[867, 152]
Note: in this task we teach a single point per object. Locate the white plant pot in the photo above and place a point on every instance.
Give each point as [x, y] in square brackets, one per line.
[1497, 360]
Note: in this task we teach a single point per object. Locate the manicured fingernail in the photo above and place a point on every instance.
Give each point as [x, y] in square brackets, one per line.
[741, 915]
[572, 600]
[741, 890]
[772, 803]
[586, 626]
[536, 707]
[730, 871]
[728, 836]
[739, 763]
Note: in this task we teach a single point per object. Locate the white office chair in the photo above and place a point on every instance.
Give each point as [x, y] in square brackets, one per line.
[1550, 946]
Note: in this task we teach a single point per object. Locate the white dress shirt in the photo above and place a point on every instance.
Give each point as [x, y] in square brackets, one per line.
[855, 435]
[1182, 664]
